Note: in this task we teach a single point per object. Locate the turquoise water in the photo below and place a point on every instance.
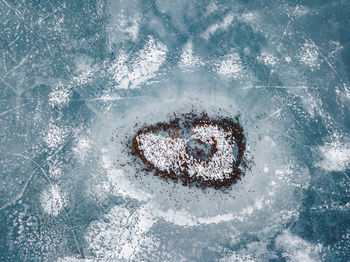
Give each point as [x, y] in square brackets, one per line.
[75, 78]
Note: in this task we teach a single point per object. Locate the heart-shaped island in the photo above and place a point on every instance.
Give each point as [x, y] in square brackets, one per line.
[194, 149]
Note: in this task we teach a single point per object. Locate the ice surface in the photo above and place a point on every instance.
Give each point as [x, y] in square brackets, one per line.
[77, 80]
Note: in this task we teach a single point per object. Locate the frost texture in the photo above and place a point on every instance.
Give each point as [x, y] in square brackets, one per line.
[78, 78]
[52, 200]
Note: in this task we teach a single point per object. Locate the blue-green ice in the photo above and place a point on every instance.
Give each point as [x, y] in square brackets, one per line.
[75, 78]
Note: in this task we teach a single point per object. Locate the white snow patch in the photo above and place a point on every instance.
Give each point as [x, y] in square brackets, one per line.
[142, 69]
[343, 95]
[119, 68]
[52, 200]
[84, 77]
[249, 17]
[82, 147]
[288, 59]
[55, 171]
[231, 66]
[218, 26]
[187, 59]
[309, 55]
[54, 135]
[59, 96]
[268, 59]
[336, 156]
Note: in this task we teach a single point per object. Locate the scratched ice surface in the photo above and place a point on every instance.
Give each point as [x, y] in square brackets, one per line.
[73, 74]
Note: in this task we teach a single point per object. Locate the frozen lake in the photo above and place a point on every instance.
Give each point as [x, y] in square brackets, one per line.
[78, 79]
